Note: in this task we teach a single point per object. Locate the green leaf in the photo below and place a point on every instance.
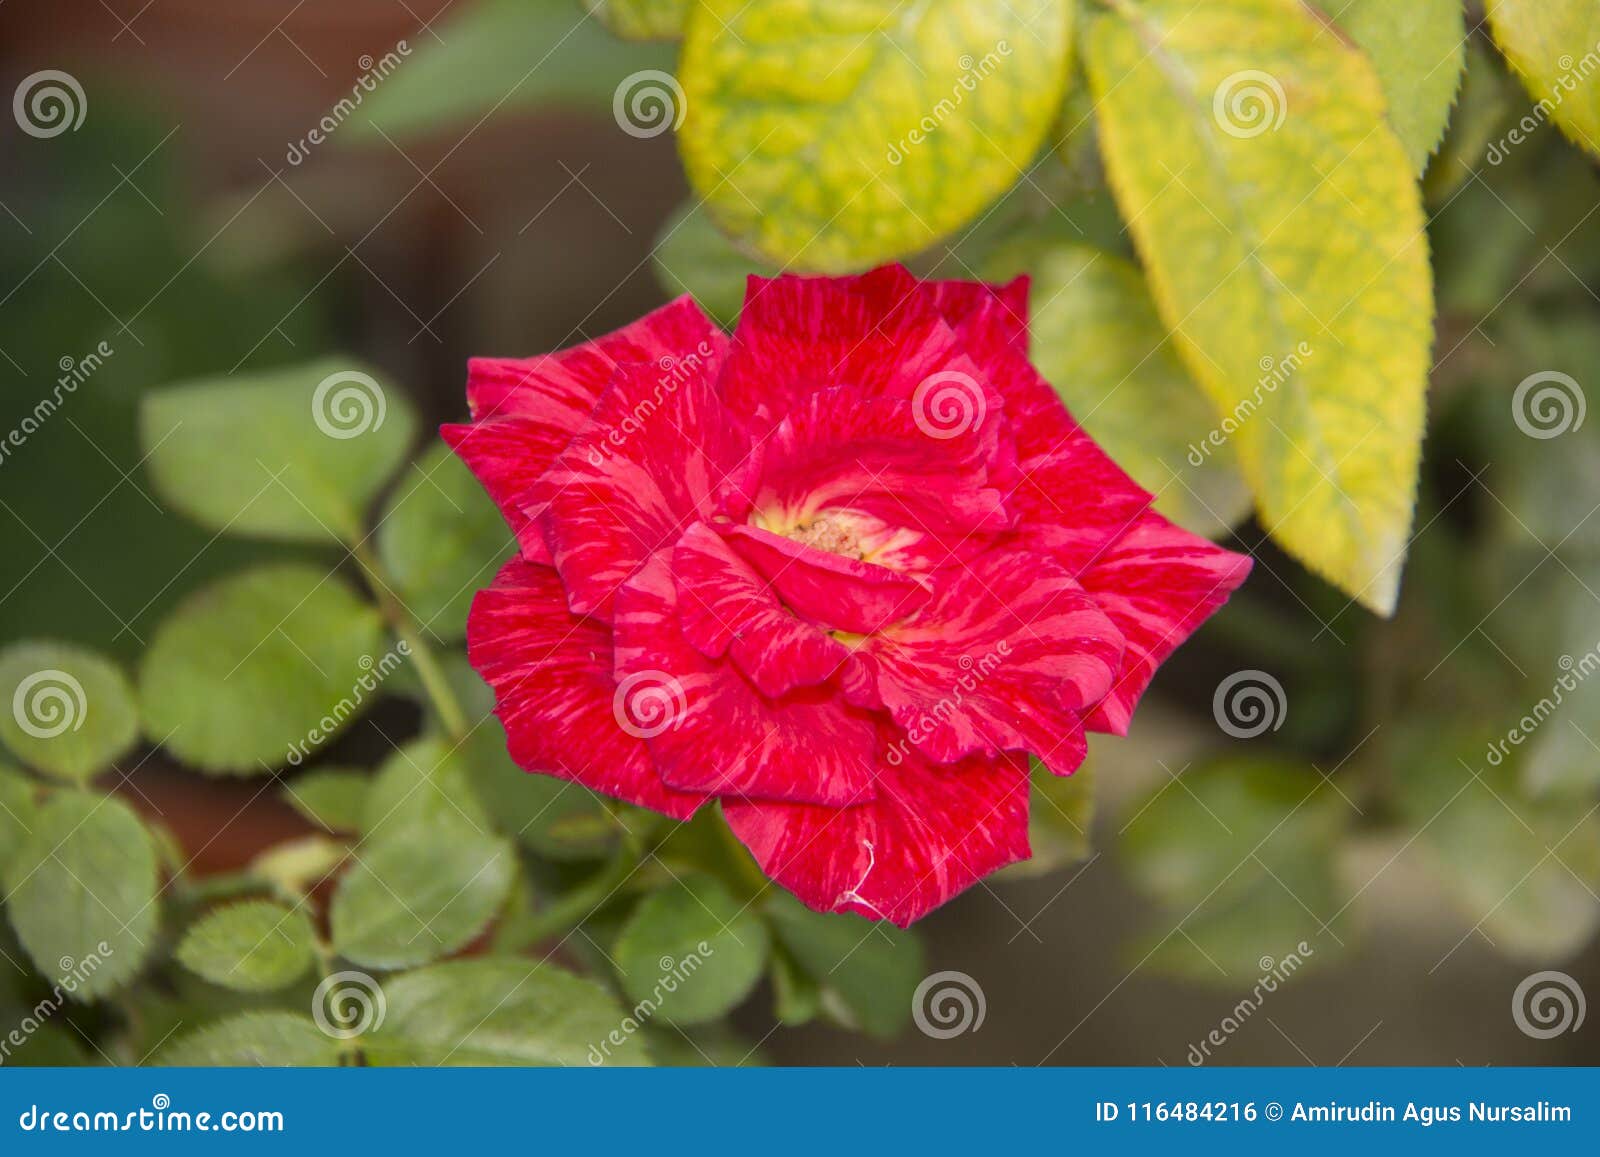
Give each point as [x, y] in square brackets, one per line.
[1060, 811]
[1280, 227]
[1524, 870]
[333, 798]
[502, 57]
[81, 893]
[691, 255]
[691, 952]
[254, 1040]
[642, 19]
[1419, 50]
[868, 971]
[261, 668]
[16, 812]
[295, 454]
[49, 1047]
[836, 136]
[1242, 853]
[419, 892]
[65, 710]
[423, 783]
[1097, 338]
[796, 995]
[441, 539]
[556, 818]
[253, 946]
[708, 1046]
[501, 1012]
[1551, 45]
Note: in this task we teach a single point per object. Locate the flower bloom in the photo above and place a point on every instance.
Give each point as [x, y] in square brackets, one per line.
[843, 571]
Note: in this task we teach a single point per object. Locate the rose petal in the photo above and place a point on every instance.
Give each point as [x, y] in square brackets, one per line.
[554, 691]
[840, 593]
[508, 455]
[561, 389]
[986, 316]
[722, 735]
[1158, 584]
[1005, 657]
[932, 832]
[659, 452]
[725, 608]
[844, 453]
[874, 333]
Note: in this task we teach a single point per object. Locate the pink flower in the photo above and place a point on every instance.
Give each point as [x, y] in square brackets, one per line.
[842, 572]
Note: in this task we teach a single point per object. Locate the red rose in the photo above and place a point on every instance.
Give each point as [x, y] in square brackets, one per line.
[843, 571]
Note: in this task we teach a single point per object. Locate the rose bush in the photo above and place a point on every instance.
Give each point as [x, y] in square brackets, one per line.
[843, 571]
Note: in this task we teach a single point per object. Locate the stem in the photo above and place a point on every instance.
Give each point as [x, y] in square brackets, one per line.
[578, 905]
[405, 624]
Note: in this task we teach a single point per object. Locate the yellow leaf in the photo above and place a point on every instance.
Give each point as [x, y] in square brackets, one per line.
[1554, 46]
[1280, 227]
[837, 136]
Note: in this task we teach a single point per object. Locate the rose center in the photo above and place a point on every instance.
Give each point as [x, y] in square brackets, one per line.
[830, 535]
